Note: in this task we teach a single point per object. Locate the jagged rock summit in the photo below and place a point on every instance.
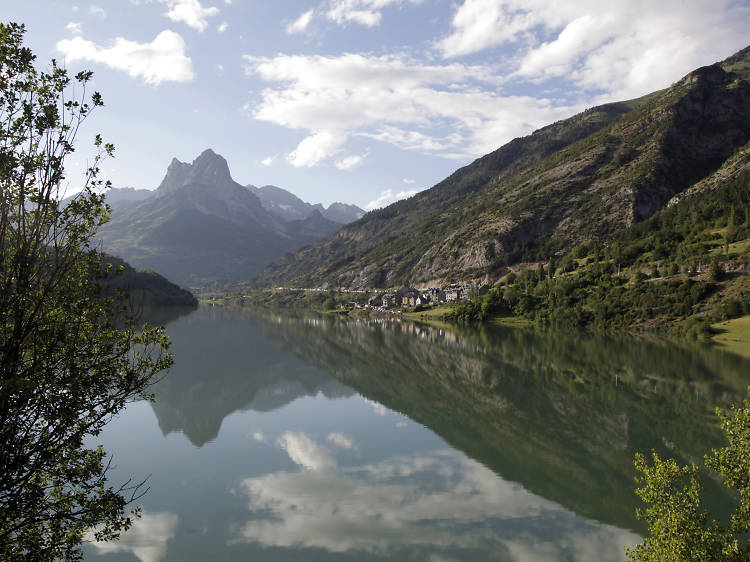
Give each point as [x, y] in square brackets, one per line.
[208, 169]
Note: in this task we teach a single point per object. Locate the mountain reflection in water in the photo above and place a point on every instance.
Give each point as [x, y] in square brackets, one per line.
[229, 367]
[560, 413]
[321, 439]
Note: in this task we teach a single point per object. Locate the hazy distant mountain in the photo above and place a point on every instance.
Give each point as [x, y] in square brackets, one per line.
[343, 213]
[281, 203]
[200, 225]
[116, 196]
[121, 196]
[289, 207]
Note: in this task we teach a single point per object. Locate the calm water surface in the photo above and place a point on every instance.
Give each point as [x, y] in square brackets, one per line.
[306, 439]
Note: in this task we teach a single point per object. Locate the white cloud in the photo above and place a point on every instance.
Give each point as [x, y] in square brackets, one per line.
[146, 539]
[258, 436]
[408, 181]
[343, 11]
[267, 161]
[300, 24]
[222, 27]
[190, 12]
[74, 27]
[350, 162]
[595, 52]
[305, 452]
[316, 148]
[396, 100]
[479, 24]
[415, 140]
[341, 440]
[623, 48]
[162, 60]
[389, 509]
[95, 10]
[313, 80]
[364, 12]
[386, 198]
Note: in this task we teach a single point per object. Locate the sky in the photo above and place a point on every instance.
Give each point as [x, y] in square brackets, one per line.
[359, 101]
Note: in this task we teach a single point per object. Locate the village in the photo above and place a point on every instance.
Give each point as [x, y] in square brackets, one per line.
[408, 296]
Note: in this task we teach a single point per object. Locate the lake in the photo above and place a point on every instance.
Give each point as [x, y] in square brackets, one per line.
[276, 438]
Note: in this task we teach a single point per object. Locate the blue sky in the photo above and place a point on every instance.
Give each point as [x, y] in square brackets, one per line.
[361, 101]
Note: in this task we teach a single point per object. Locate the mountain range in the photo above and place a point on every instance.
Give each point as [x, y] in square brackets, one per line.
[201, 226]
[579, 180]
[289, 207]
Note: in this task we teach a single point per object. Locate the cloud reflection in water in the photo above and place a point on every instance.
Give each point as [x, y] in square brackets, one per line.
[438, 503]
[146, 539]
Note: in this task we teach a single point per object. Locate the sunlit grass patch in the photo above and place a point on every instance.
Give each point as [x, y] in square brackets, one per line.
[734, 335]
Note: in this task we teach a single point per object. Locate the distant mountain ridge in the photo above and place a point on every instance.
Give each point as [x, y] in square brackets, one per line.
[117, 196]
[288, 206]
[276, 200]
[578, 180]
[201, 226]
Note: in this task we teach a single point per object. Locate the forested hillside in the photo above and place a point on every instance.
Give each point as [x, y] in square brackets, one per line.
[684, 268]
[143, 287]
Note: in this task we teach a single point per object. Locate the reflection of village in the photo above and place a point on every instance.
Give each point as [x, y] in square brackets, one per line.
[391, 324]
[408, 296]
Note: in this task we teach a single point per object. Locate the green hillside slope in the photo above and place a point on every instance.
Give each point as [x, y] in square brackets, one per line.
[683, 269]
[583, 179]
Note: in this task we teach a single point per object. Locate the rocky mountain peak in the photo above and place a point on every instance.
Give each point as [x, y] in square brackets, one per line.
[211, 166]
[209, 169]
[177, 173]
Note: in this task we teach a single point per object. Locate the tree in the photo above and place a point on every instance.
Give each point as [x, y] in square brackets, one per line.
[679, 526]
[716, 271]
[330, 303]
[70, 358]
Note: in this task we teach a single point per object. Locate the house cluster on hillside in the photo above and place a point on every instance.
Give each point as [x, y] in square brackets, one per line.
[411, 297]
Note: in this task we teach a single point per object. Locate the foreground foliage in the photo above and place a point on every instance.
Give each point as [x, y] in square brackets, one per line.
[70, 358]
[679, 527]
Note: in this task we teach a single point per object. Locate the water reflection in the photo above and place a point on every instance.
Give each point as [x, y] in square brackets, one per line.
[434, 505]
[146, 539]
[315, 439]
[561, 414]
[222, 365]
